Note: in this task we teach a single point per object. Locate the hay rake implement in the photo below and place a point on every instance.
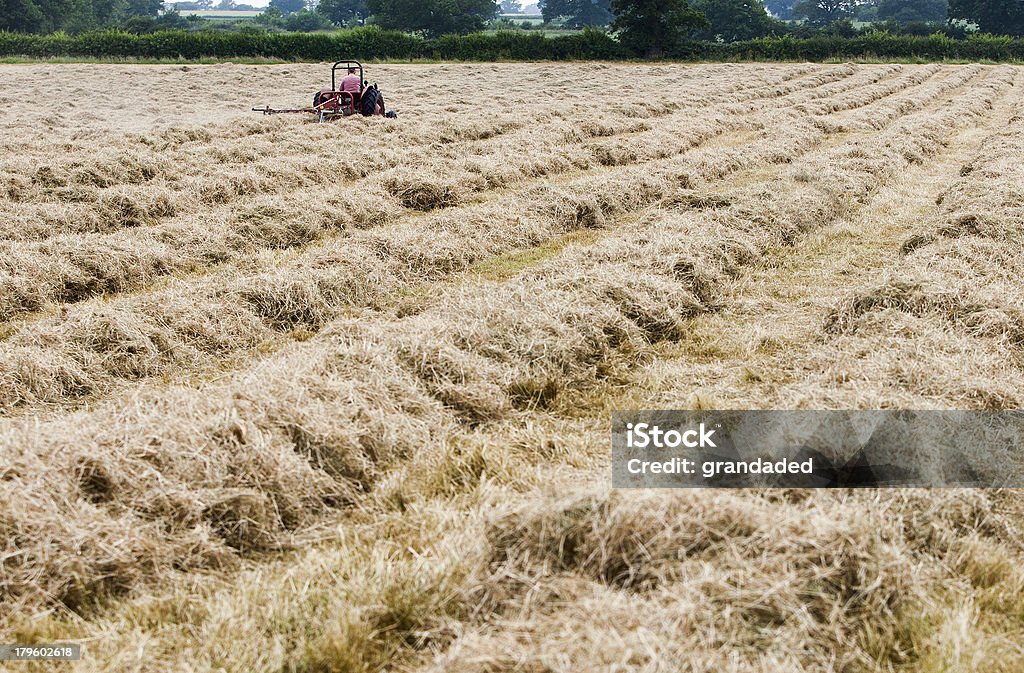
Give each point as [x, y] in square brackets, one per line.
[341, 101]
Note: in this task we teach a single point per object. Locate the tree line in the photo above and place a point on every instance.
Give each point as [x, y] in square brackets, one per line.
[644, 26]
[731, 20]
[48, 16]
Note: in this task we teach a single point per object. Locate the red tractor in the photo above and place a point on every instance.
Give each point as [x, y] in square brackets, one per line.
[342, 101]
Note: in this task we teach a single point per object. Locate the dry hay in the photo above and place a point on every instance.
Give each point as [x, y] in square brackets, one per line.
[222, 346]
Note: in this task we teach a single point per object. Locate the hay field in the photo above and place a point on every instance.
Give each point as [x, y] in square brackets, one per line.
[280, 396]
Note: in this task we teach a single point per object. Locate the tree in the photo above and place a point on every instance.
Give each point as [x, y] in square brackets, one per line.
[650, 27]
[1001, 17]
[147, 24]
[733, 20]
[823, 12]
[344, 12]
[46, 16]
[780, 9]
[511, 7]
[910, 11]
[577, 13]
[434, 17]
[143, 7]
[287, 7]
[22, 16]
[305, 21]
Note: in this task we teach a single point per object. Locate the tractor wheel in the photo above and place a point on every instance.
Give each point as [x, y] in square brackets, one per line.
[369, 101]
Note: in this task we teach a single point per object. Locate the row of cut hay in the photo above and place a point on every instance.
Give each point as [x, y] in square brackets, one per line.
[235, 164]
[879, 89]
[199, 162]
[220, 171]
[897, 105]
[52, 360]
[56, 360]
[796, 583]
[950, 311]
[66, 269]
[47, 363]
[178, 244]
[734, 581]
[185, 478]
[224, 167]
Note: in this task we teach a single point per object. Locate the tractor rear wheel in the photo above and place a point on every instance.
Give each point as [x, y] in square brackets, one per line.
[369, 101]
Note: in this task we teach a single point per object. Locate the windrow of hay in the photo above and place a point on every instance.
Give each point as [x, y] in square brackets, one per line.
[735, 581]
[876, 90]
[895, 106]
[185, 243]
[184, 478]
[951, 308]
[208, 172]
[802, 582]
[59, 269]
[66, 357]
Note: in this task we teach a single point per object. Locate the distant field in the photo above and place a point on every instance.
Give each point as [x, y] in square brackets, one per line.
[222, 14]
[282, 396]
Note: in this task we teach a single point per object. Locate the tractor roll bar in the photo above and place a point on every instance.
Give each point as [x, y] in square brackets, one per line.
[346, 65]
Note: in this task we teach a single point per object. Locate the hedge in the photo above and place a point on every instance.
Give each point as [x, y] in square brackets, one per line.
[364, 43]
[371, 43]
[870, 45]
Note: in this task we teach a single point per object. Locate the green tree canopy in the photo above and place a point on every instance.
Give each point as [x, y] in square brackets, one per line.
[910, 11]
[434, 17]
[1000, 17]
[343, 11]
[578, 13]
[22, 16]
[305, 21]
[733, 20]
[46, 16]
[780, 9]
[823, 12]
[650, 27]
[287, 7]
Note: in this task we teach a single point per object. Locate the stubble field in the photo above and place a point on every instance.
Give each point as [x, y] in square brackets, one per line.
[281, 396]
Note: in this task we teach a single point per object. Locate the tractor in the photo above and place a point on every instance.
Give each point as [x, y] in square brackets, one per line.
[333, 103]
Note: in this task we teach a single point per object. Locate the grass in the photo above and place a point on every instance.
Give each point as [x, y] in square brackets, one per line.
[246, 60]
[505, 267]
